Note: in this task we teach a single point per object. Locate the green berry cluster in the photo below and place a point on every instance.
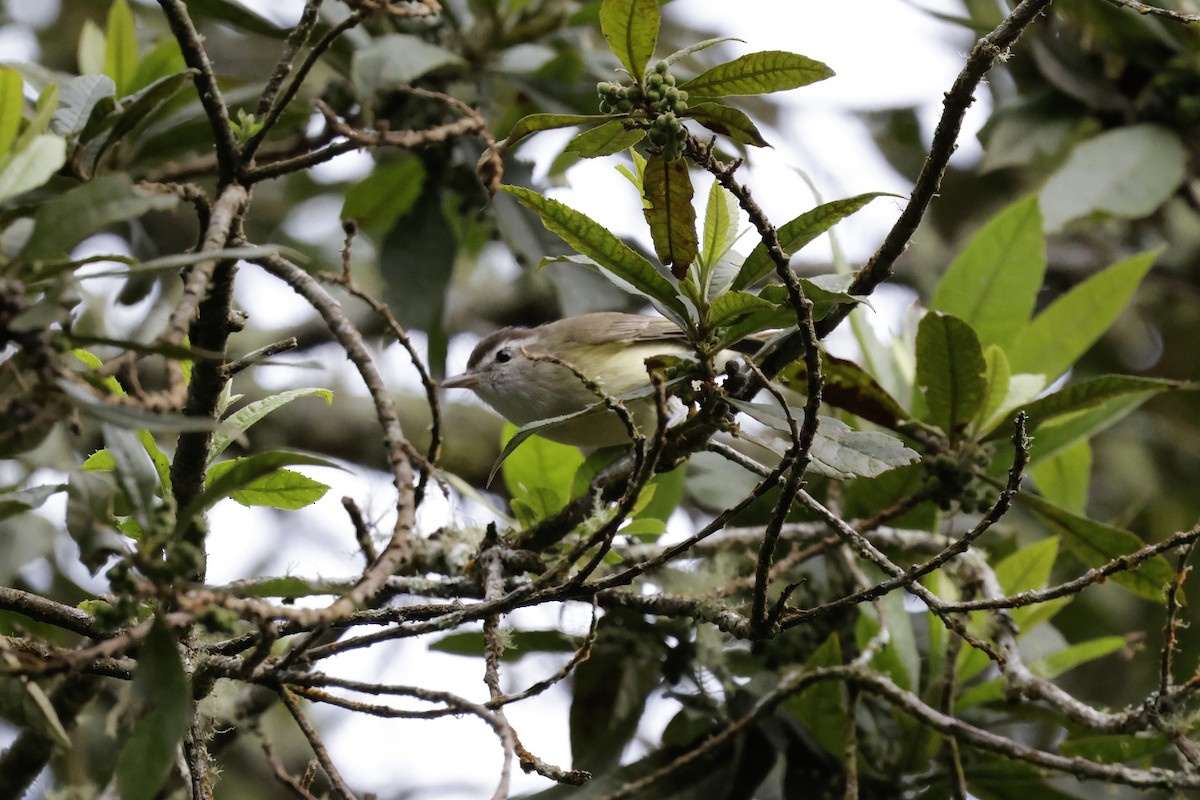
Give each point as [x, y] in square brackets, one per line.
[953, 478]
[657, 101]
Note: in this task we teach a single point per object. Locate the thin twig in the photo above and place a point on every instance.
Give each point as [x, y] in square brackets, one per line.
[295, 42]
[283, 776]
[492, 569]
[1171, 628]
[1165, 13]
[293, 706]
[281, 103]
[399, 451]
[195, 56]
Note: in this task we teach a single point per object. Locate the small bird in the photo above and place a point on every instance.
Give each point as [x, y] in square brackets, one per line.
[608, 347]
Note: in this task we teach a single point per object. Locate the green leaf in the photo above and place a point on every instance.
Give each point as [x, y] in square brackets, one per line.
[1063, 479]
[517, 644]
[120, 46]
[851, 388]
[1065, 330]
[25, 704]
[90, 499]
[1058, 434]
[993, 283]
[821, 707]
[79, 98]
[670, 214]
[33, 165]
[698, 46]
[284, 489]
[998, 376]
[387, 194]
[668, 492]
[395, 60]
[827, 292]
[1078, 654]
[243, 473]
[950, 369]
[241, 420]
[1090, 394]
[160, 460]
[733, 306]
[720, 226]
[69, 218]
[596, 242]
[604, 140]
[89, 54]
[1022, 389]
[47, 104]
[631, 28]
[1127, 172]
[164, 60]
[22, 500]
[1029, 569]
[160, 687]
[12, 106]
[797, 233]
[1026, 570]
[1113, 748]
[839, 451]
[727, 121]
[135, 472]
[135, 109]
[758, 73]
[899, 657]
[540, 464]
[611, 689]
[1097, 544]
[535, 123]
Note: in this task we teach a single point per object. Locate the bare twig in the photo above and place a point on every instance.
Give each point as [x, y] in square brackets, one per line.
[194, 54]
[283, 776]
[339, 785]
[295, 41]
[469, 122]
[1157, 11]
[492, 568]
[399, 451]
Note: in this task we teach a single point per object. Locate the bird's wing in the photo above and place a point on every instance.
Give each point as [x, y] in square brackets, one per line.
[617, 327]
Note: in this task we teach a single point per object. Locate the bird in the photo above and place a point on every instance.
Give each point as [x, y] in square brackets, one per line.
[522, 374]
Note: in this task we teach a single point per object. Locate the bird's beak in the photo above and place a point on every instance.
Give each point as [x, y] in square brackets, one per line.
[467, 380]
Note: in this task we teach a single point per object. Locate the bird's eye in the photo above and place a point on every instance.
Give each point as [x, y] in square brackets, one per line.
[503, 355]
